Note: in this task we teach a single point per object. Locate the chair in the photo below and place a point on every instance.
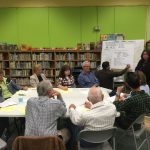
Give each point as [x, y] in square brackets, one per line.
[147, 128]
[3, 144]
[38, 143]
[75, 72]
[137, 133]
[100, 138]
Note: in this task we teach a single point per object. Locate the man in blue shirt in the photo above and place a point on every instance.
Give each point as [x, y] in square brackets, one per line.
[87, 78]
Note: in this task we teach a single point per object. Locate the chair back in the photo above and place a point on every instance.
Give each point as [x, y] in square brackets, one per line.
[97, 137]
[139, 120]
[75, 72]
[38, 143]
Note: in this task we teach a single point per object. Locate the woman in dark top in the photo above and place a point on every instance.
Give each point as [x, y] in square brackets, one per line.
[144, 65]
[66, 80]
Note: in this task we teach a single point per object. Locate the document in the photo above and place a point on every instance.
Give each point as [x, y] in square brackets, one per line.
[121, 53]
[8, 102]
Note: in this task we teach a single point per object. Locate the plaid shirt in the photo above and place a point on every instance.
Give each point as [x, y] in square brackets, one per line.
[42, 114]
[137, 104]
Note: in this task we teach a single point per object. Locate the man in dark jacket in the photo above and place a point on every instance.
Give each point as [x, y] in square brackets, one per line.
[105, 76]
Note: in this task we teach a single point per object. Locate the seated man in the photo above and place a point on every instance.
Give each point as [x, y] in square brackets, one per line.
[87, 78]
[43, 112]
[106, 76]
[100, 116]
[136, 104]
[7, 89]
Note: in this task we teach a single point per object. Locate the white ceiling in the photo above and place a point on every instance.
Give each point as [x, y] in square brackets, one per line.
[61, 3]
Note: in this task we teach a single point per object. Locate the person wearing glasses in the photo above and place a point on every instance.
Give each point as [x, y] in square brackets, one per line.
[87, 78]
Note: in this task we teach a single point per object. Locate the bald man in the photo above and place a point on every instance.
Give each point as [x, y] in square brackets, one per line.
[101, 114]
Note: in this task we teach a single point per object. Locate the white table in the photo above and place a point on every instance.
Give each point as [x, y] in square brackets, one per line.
[77, 96]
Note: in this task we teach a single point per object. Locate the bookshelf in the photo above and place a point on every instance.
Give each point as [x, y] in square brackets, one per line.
[18, 64]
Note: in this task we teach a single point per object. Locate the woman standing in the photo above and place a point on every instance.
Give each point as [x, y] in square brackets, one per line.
[144, 65]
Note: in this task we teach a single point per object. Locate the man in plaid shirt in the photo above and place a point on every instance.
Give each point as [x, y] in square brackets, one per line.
[136, 104]
[43, 112]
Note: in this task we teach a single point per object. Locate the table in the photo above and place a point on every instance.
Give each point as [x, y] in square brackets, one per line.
[77, 96]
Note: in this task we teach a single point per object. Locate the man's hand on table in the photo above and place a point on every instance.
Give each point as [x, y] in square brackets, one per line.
[88, 105]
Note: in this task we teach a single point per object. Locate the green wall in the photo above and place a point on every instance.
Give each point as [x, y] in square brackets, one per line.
[65, 27]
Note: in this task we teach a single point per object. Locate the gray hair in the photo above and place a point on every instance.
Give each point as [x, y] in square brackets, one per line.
[95, 97]
[43, 87]
[85, 62]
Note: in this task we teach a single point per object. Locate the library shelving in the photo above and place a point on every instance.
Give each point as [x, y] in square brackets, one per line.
[18, 64]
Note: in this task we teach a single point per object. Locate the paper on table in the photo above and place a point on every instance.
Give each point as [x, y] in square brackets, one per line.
[21, 109]
[8, 102]
[8, 109]
[64, 91]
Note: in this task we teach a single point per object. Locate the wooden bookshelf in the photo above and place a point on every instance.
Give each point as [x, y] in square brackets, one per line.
[18, 64]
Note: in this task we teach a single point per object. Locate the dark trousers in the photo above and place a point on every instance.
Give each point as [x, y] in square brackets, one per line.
[4, 123]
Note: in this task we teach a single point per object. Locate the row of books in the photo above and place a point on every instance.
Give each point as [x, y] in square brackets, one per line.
[57, 73]
[18, 65]
[20, 73]
[1, 65]
[6, 46]
[60, 64]
[17, 57]
[4, 65]
[45, 65]
[42, 56]
[22, 81]
[1, 56]
[66, 56]
[49, 73]
[87, 56]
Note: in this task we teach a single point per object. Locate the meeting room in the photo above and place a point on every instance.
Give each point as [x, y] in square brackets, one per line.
[74, 75]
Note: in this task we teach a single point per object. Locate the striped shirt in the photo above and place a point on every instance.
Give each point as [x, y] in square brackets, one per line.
[101, 116]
